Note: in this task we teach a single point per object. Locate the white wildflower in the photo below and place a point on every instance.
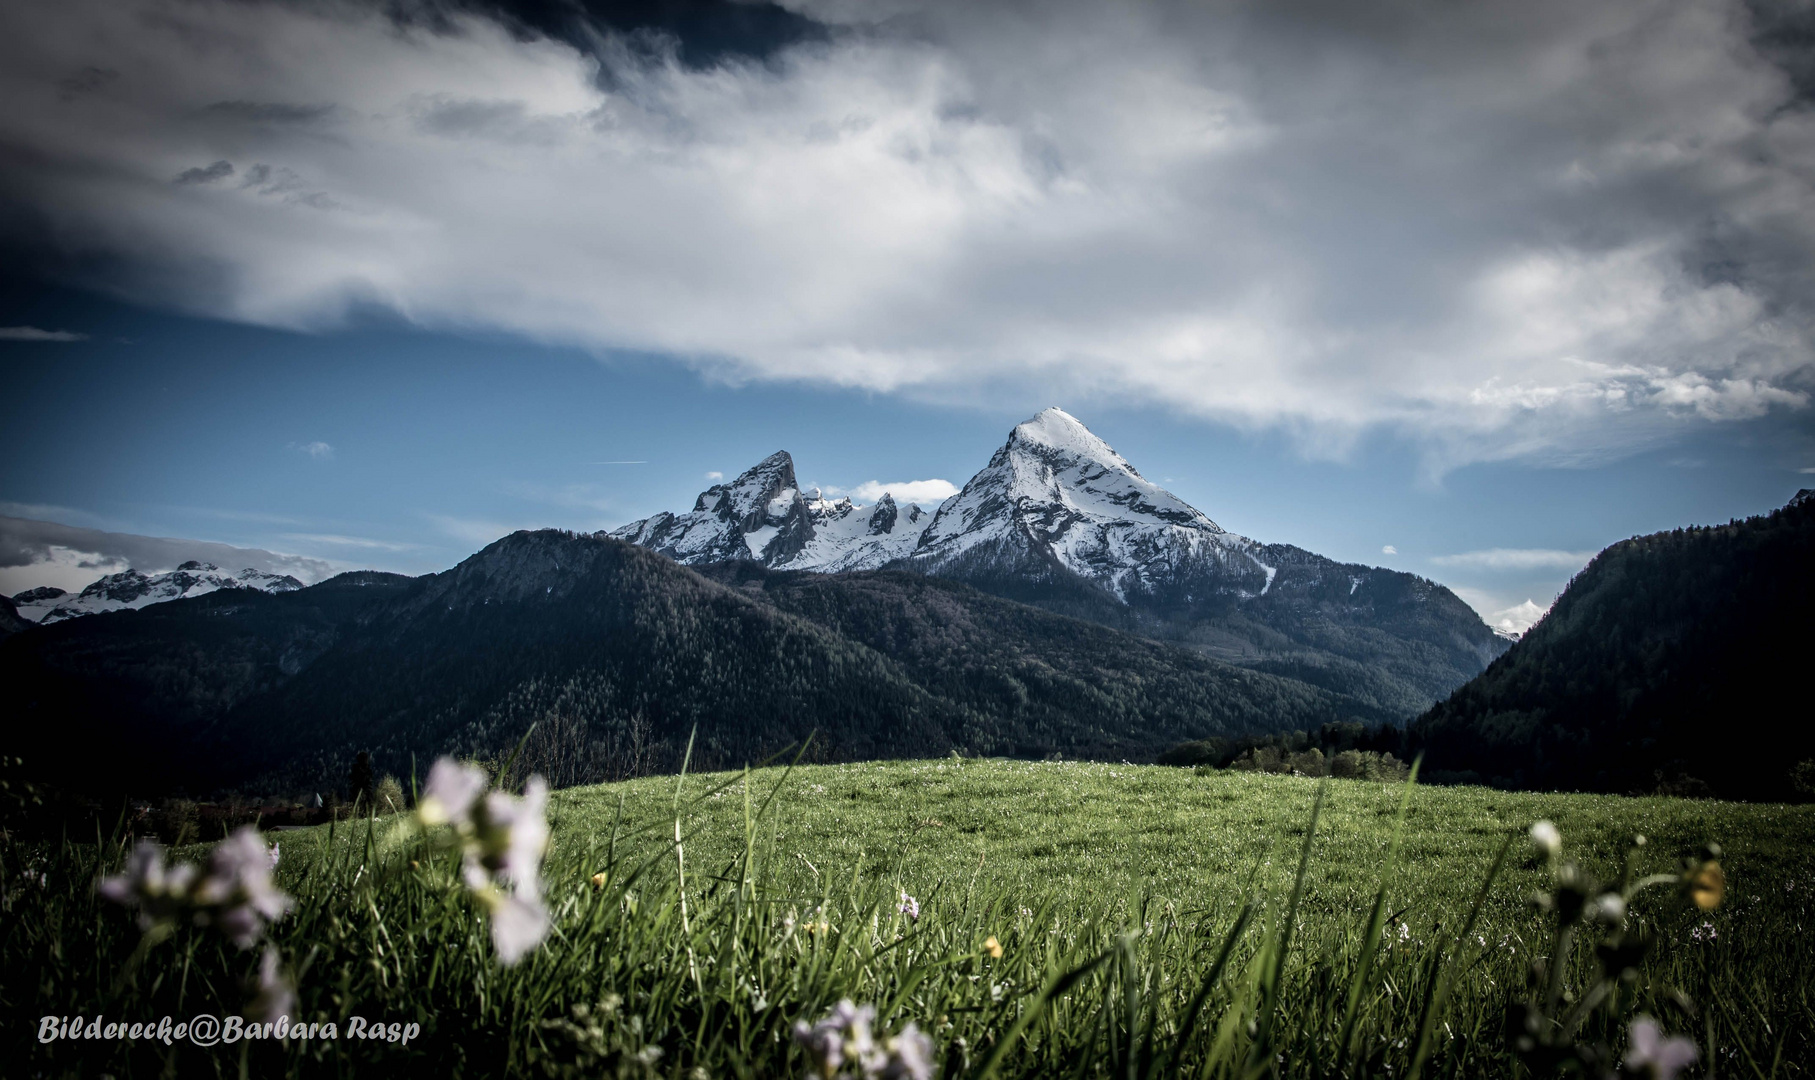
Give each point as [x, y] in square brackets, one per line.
[1547, 839]
[842, 1046]
[449, 794]
[503, 839]
[1657, 1057]
[276, 993]
[237, 891]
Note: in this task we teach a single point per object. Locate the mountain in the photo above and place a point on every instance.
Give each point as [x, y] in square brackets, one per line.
[131, 589]
[33, 603]
[10, 620]
[1059, 520]
[763, 516]
[1673, 659]
[617, 654]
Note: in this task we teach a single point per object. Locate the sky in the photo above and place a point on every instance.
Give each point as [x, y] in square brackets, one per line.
[1469, 290]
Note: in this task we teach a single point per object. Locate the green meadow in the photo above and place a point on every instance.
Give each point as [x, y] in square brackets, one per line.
[1150, 921]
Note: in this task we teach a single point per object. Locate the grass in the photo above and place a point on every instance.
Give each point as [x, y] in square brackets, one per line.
[1141, 912]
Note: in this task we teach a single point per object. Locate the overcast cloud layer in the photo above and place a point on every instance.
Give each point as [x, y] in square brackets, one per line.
[1550, 230]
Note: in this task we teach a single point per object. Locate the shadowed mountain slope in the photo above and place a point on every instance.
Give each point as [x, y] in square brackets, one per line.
[1675, 658]
[616, 654]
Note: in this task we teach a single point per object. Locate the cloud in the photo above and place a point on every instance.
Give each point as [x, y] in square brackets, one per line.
[1389, 550]
[1518, 618]
[336, 540]
[317, 450]
[32, 333]
[1554, 232]
[220, 170]
[34, 553]
[715, 476]
[1518, 559]
[928, 493]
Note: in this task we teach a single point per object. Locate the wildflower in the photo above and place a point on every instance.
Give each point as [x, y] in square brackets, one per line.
[239, 888]
[598, 880]
[909, 907]
[503, 867]
[1657, 1057]
[842, 1046]
[274, 856]
[160, 894]
[503, 839]
[993, 947]
[276, 995]
[842, 1037]
[910, 1055]
[1708, 885]
[236, 892]
[1547, 838]
[449, 794]
[1608, 908]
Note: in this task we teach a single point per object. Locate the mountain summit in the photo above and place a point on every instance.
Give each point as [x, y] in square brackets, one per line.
[1058, 519]
[1055, 495]
[763, 516]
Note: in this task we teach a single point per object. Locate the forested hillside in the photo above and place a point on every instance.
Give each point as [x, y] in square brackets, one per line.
[1674, 660]
[616, 654]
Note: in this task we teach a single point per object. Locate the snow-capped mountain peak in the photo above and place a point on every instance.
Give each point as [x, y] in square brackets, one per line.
[764, 516]
[1056, 493]
[133, 589]
[1053, 493]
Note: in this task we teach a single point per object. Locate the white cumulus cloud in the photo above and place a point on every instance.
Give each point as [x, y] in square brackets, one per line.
[1518, 618]
[928, 493]
[1389, 550]
[317, 450]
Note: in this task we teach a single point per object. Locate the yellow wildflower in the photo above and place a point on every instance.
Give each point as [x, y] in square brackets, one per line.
[993, 948]
[1708, 886]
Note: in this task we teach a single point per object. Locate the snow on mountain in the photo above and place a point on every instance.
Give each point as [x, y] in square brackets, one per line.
[131, 589]
[33, 603]
[764, 516]
[1055, 492]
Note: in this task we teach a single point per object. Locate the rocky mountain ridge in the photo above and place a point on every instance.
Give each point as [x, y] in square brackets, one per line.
[1058, 519]
[131, 589]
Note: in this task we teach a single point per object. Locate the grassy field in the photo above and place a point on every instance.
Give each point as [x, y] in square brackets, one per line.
[1151, 921]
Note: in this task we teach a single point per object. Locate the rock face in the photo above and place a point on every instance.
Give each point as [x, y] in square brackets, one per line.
[1060, 520]
[1055, 495]
[763, 516]
[131, 589]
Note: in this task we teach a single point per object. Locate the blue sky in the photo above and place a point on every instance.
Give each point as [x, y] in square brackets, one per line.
[400, 449]
[1487, 285]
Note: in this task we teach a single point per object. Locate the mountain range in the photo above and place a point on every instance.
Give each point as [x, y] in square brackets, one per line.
[131, 589]
[617, 655]
[1059, 520]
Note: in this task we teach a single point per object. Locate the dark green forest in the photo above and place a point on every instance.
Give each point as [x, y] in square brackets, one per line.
[616, 655]
[1394, 641]
[1672, 662]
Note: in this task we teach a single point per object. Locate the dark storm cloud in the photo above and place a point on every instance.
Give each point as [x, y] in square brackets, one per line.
[1546, 230]
[220, 170]
[700, 33]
